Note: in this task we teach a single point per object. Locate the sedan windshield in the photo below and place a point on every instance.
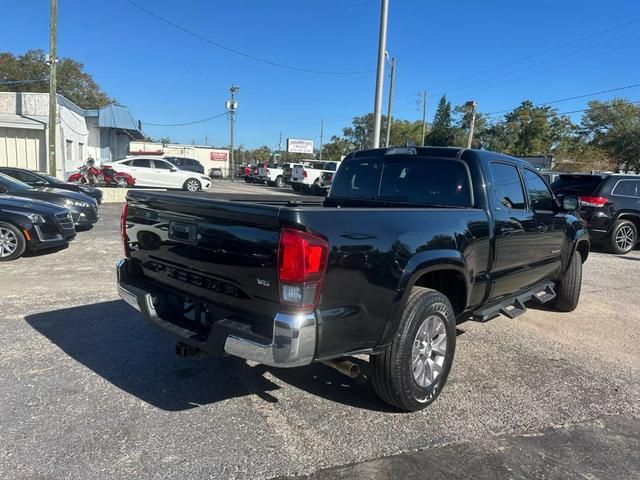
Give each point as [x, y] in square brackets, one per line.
[12, 184]
[51, 179]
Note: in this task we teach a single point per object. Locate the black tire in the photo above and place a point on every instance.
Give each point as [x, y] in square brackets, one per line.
[568, 288]
[315, 188]
[392, 373]
[192, 185]
[279, 181]
[15, 240]
[296, 187]
[247, 179]
[624, 237]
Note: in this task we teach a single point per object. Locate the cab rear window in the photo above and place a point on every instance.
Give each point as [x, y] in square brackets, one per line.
[404, 179]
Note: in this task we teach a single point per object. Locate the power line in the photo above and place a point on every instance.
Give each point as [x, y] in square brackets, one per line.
[185, 123]
[527, 57]
[573, 98]
[238, 52]
[601, 107]
[569, 54]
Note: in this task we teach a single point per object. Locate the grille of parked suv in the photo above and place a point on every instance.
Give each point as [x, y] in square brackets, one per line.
[65, 220]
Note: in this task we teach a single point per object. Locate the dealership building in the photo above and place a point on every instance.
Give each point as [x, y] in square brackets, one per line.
[104, 134]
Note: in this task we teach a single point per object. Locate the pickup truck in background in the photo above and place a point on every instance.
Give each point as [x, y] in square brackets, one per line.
[408, 242]
[306, 178]
[272, 174]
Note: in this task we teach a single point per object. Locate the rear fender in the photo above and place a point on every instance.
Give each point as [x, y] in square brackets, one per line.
[418, 265]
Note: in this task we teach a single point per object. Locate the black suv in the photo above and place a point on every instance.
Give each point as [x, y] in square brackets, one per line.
[184, 163]
[609, 204]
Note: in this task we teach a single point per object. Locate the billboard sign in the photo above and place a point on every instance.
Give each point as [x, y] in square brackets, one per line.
[295, 145]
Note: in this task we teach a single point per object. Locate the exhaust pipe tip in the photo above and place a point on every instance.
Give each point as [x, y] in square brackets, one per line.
[346, 367]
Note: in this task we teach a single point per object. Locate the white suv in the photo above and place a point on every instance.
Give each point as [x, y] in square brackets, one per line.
[156, 172]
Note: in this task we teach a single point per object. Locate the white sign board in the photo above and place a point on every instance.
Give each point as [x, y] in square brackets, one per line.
[295, 145]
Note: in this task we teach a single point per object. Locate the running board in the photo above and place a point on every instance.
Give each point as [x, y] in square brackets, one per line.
[515, 306]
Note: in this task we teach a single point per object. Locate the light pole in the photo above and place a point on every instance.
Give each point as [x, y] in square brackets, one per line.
[53, 96]
[471, 104]
[232, 105]
[424, 116]
[393, 77]
[382, 47]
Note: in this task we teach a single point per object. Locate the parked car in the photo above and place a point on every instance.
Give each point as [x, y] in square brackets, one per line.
[408, 242]
[609, 204]
[287, 171]
[549, 176]
[306, 178]
[271, 174]
[32, 225]
[84, 209]
[216, 173]
[156, 172]
[184, 163]
[40, 180]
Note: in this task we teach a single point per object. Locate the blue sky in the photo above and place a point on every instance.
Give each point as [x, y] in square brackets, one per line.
[470, 49]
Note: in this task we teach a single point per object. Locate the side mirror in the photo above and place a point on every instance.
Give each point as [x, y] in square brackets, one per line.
[173, 169]
[570, 203]
[38, 183]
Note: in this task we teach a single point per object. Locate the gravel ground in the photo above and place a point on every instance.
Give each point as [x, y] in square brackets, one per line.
[89, 391]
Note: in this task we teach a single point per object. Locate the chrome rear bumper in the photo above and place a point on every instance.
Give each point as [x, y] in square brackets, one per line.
[294, 334]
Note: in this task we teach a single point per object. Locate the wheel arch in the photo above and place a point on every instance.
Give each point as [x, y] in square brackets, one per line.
[445, 271]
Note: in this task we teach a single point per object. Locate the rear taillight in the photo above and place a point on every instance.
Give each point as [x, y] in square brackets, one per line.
[304, 173]
[593, 201]
[302, 261]
[123, 230]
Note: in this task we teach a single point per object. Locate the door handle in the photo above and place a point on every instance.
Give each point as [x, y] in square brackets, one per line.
[542, 228]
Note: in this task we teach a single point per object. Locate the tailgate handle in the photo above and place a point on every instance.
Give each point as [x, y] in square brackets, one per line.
[183, 232]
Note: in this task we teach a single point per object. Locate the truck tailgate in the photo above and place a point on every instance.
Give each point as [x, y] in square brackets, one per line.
[212, 250]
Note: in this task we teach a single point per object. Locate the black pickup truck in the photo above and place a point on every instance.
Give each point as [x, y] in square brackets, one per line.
[408, 242]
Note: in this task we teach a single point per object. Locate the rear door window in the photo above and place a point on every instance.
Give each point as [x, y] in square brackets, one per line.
[507, 186]
[625, 188]
[141, 162]
[162, 165]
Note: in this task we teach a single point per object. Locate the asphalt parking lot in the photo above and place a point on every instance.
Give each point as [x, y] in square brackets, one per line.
[89, 391]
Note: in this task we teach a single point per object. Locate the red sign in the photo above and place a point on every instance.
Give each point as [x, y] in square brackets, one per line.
[218, 156]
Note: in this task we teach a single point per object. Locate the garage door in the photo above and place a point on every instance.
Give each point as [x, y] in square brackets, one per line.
[22, 147]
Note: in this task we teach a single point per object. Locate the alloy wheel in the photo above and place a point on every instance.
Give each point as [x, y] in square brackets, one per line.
[625, 238]
[8, 242]
[429, 351]
[193, 186]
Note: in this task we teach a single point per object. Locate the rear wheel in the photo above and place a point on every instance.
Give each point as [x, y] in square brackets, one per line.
[121, 182]
[12, 242]
[279, 181]
[411, 372]
[624, 237]
[192, 185]
[568, 289]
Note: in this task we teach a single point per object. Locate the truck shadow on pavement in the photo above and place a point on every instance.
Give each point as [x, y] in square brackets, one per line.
[112, 340]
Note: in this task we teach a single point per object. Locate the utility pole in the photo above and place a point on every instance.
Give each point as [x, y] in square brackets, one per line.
[393, 76]
[382, 47]
[321, 135]
[472, 104]
[232, 105]
[424, 116]
[53, 97]
[206, 140]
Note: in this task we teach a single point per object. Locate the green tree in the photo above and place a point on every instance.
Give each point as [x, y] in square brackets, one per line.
[528, 130]
[614, 127]
[442, 132]
[73, 82]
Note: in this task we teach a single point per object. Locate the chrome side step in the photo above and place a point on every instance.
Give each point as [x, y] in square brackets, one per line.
[515, 306]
